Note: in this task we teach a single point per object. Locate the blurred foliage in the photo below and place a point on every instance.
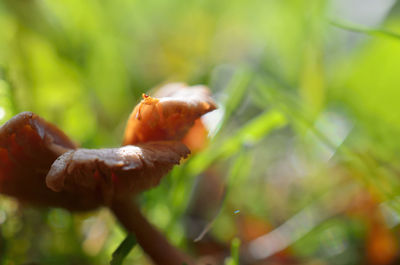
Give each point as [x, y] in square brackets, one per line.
[305, 139]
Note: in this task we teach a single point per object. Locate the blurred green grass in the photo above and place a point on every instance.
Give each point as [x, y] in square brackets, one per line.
[309, 112]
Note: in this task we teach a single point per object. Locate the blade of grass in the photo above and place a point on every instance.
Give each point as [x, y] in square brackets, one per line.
[249, 134]
[301, 223]
[363, 29]
[123, 250]
[236, 90]
[234, 258]
[240, 166]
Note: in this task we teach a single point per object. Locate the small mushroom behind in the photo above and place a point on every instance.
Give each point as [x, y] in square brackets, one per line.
[169, 115]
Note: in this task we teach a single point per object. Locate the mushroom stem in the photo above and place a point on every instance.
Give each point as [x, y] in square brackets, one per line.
[149, 238]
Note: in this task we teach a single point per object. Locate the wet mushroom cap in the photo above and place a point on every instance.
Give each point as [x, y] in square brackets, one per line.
[114, 173]
[168, 117]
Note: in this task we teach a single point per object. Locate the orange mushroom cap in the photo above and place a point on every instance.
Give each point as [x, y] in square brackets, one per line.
[170, 115]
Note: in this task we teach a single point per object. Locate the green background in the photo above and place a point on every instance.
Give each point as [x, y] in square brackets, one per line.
[306, 137]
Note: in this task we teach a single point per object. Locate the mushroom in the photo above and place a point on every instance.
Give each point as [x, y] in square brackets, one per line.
[36, 153]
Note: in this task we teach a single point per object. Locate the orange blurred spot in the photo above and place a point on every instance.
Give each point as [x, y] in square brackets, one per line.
[196, 139]
[381, 245]
[251, 227]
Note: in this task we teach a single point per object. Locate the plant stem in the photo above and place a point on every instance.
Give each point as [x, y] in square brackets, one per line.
[149, 238]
